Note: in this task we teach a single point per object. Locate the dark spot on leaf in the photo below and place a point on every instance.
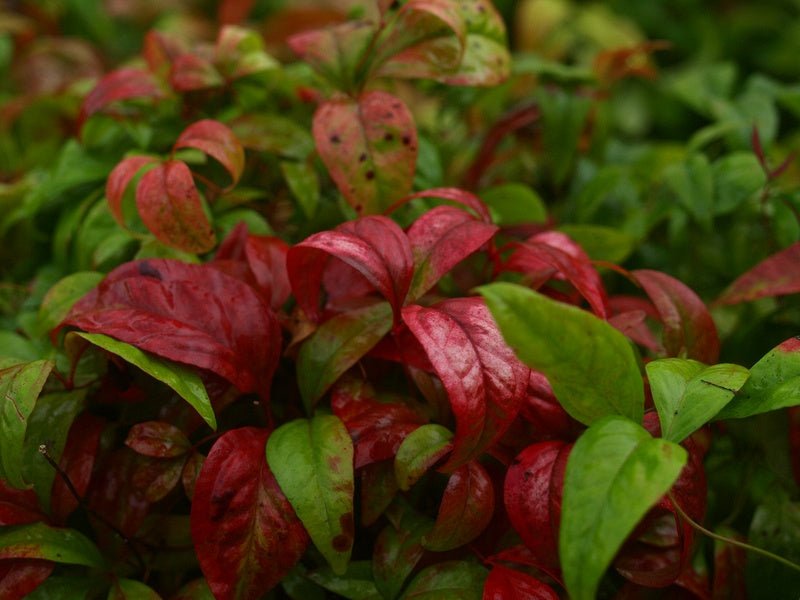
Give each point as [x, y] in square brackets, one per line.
[370, 174]
[359, 207]
[220, 503]
[527, 475]
[406, 140]
[481, 8]
[335, 139]
[388, 137]
[341, 543]
[148, 270]
[362, 157]
[346, 521]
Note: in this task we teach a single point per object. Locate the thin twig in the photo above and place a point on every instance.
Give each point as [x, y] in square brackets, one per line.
[81, 502]
[731, 541]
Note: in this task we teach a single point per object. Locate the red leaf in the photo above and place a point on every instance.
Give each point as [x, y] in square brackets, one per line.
[18, 507]
[440, 239]
[216, 140]
[122, 84]
[369, 146]
[246, 534]
[542, 410]
[193, 72]
[688, 327]
[160, 50]
[376, 428]
[466, 509]
[633, 325]
[193, 314]
[265, 258]
[532, 493]
[485, 381]
[375, 246]
[157, 439]
[20, 576]
[77, 461]
[157, 477]
[118, 181]
[554, 252]
[777, 275]
[191, 471]
[509, 584]
[170, 207]
[457, 195]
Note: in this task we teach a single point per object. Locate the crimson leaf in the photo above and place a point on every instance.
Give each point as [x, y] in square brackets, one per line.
[246, 534]
[485, 382]
[375, 246]
[776, 275]
[216, 140]
[192, 314]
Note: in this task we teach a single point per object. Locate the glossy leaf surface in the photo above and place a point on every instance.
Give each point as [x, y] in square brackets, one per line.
[369, 146]
[397, 551]
[246, 534]
[773, 383]
[377, 428]
[591, 366]
[170, 207]
[419, 451]
[313, 463]
[467, 507]
[192, 314]
[374, 246]
[440, 239]
[687, 394]
[615, 474]
[485, 382]
[337, 345]
[532, 494]
[689, 330]
[186, 383]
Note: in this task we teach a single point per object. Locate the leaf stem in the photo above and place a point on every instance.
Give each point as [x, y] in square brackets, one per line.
[727, 540]
[82, 503]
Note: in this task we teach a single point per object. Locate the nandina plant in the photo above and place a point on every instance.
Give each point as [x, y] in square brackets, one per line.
[274, 354]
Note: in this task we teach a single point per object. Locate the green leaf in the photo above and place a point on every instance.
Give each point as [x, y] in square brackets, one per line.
[601, 243]
[13, 345]
[69, 588]
[20, 386]
[615, 473]
[60, 545]
[183, 380]
[591, 366]
[128, 589]
[397, 551]
[452, 580]
[687, 394]
[60, 298]
[312, 459]
[692, 183]
[337, 345]
[564, 115]
[774, 383]
[49, 424]
[355, 584]
[737, 177]
[514, 204]
[304, 184]
[419, 451]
